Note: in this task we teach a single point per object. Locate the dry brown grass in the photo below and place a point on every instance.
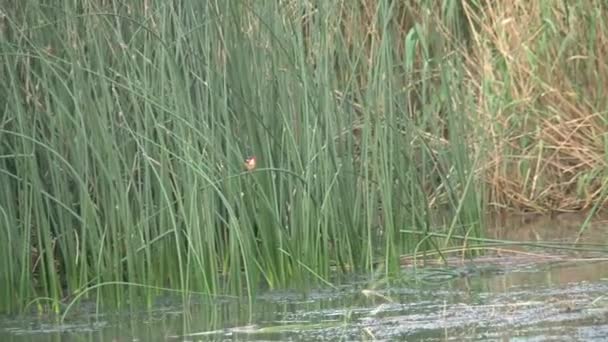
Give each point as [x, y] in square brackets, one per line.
[539, 74]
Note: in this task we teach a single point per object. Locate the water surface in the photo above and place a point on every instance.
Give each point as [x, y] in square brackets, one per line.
[512, 294]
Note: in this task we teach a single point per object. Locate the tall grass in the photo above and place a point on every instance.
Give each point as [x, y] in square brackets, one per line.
[542, 77]
[124, 128]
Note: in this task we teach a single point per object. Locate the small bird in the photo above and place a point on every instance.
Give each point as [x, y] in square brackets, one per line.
[250, 163]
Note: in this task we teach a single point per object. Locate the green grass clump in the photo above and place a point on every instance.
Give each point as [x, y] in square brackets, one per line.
[124, 127]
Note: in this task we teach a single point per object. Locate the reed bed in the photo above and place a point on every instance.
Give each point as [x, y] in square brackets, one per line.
[125, 126]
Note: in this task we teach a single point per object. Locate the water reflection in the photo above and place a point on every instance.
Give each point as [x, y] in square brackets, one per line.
[531, 295]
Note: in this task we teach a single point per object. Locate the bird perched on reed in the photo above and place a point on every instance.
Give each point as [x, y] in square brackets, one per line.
[250, 163]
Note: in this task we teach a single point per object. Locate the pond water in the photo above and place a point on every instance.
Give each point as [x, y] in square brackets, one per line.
[512, 294]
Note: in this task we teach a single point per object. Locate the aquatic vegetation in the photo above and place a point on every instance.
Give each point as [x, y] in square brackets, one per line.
[125, 131]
